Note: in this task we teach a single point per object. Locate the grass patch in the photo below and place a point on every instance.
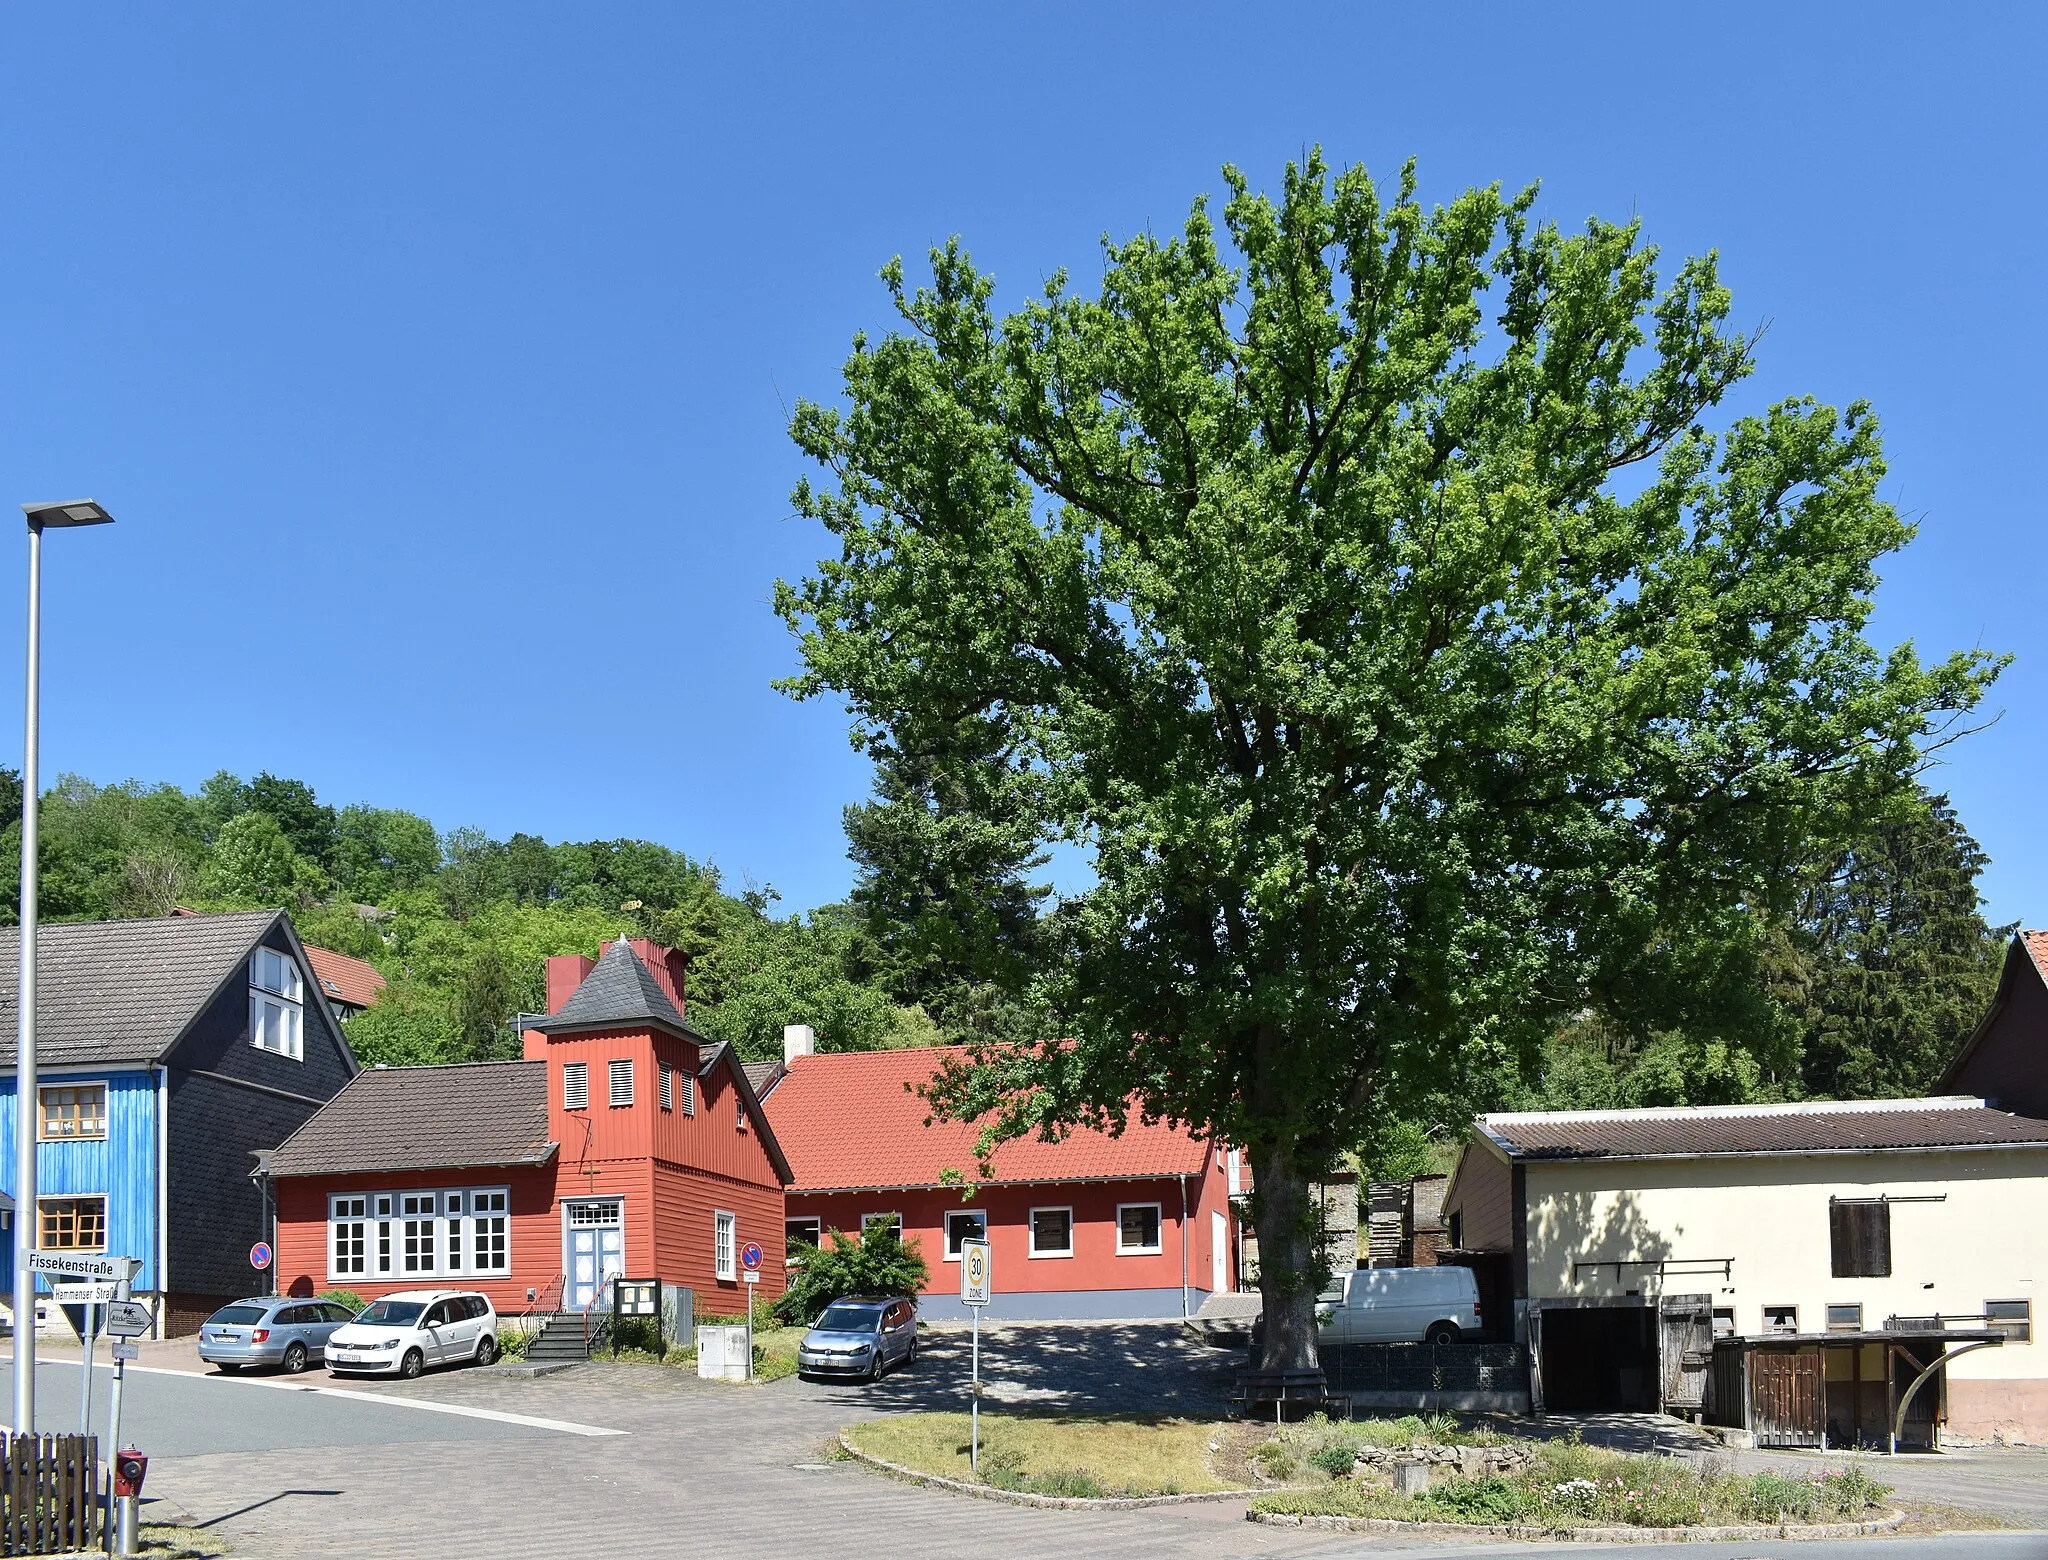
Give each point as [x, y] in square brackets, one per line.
[166, 1541]
[1571, 1485]
[1054, 1454]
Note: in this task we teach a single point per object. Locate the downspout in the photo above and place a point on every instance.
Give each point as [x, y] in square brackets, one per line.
[161, 1250]
[1183, 1248]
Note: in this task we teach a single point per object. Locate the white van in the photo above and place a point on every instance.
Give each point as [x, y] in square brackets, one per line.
[1400, 1305]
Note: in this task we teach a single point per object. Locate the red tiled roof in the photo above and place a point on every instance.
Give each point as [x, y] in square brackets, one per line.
[2037, 945]
[345, 979]
[846, 1121]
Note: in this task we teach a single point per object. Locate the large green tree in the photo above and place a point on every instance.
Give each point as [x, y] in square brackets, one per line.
[1370, 598]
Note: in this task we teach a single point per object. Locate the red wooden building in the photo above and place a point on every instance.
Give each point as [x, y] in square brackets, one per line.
[624, 1144]
[1128, 1226]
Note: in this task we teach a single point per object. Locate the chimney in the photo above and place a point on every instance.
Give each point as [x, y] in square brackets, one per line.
[797, 1040]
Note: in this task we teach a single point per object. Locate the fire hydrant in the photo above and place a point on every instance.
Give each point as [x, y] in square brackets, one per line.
[130, 1468]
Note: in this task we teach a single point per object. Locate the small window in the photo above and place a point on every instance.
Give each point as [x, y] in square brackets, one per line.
[348, 1236]
[2014, 1318]
[1456, 1231]
[1845, 1318]
[875, 1226]
[803, 1232]
[621, 1075]
[1052, 1232]
[1781, 1318]
[276, 973]
[689, 1094]
[73, 1223]
[1724, 1321]
[964, 1224]
[725, 1246]
[73, 1110]
[1137, 1229]
[575, 1085]
[1860, 1239]
[739, 1110]
[668, 1088]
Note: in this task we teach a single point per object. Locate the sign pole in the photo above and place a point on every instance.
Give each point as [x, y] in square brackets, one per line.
[85, 1374]
[114, 1416]
[975, 1289]
[974, 1410]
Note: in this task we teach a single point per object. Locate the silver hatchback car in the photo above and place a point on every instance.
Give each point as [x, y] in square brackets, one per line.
[271, 1330]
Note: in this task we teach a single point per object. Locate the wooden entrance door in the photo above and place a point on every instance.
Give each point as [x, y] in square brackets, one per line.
[1785, 1396]
[1685, 1343]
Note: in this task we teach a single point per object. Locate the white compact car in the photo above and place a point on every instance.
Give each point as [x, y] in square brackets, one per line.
[402, 1334]
[1400, 1305]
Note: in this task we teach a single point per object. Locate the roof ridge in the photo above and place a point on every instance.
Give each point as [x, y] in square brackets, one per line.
[1761, 1108]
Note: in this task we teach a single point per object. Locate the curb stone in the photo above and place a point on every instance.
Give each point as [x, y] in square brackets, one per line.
[1601, 1535]
[1025, 1498]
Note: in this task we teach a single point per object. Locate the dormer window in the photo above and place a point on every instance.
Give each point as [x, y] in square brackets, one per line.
[276, 1016]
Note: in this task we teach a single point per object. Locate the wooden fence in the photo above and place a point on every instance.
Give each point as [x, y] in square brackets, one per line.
[49, 1494]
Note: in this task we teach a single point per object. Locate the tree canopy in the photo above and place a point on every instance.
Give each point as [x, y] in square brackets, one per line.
[1364, 589]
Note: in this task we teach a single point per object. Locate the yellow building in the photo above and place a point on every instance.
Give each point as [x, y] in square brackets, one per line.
[1789, 1269]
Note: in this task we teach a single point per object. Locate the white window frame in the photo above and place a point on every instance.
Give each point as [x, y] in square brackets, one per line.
[285, 995]
[666, 1077]
[946, 1229]
[725, 1246]
[106, 1208]
[2017, 1329]
[1158, 1245]
[869, 1218]
[43, 1133]
[817, 1228]
[1031, 1226]
[461, 1222]
[739, 1111]
[577, 1074]
[618, 1071]
[1854, 1324]
[1770, 1330]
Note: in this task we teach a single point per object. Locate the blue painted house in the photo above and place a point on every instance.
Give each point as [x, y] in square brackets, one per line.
[167, 1052]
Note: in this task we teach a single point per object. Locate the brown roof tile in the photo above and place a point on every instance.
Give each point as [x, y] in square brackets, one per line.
[344, 978]
[1819, 1127]
[426, 1118]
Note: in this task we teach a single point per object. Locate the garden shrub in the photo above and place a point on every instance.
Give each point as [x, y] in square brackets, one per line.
[1491, 1499]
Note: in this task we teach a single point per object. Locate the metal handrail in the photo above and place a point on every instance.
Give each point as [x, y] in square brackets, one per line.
[544, 1307]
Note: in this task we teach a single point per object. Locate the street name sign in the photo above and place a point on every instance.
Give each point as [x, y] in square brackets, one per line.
[70, 1264]
[127, 1319]
[974, 1272]
[83, 1292]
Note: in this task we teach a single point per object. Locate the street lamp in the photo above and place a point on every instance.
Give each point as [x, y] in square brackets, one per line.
[41, 517]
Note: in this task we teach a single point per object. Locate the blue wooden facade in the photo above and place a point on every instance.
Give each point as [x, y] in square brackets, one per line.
[123, 1166]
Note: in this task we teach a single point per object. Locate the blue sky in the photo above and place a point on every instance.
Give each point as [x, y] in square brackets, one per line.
[436, 360]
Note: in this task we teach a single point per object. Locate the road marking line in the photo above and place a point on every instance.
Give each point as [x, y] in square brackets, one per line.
[461, 1410]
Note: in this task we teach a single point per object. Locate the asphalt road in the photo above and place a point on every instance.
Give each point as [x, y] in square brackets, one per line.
[174, 1414]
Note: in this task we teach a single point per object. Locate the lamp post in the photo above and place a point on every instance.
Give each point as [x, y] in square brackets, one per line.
[41, 517]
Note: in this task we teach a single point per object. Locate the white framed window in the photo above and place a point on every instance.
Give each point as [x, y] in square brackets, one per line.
[1846, 1318]
[668, 1088]
[725, 1246]
[964, 1224]
[71, 1111]
[804, 1231]
[620, 1073]
[739, 1111]
[2014, 1318]
[575, 1085]
[72, 1223]
[419, 1233]
[276, 1013]
[873, 1224]
[1781, 1318]
[608, 1212]
[1052, 1232]
[348, 1236]
[1137, 1229]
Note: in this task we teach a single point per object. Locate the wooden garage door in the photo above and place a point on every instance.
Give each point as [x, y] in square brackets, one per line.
[1785, 1394]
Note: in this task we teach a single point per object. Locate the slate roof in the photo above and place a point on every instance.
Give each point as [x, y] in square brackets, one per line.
[846, 1121]
[1832, 1126]
[352, 981]
[122, 991]
[618, 992]
[425, 1118]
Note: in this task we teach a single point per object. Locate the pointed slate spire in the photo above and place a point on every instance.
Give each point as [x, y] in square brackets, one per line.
[618, 991]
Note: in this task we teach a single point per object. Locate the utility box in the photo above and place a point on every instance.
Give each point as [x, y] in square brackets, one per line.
[722, 1353]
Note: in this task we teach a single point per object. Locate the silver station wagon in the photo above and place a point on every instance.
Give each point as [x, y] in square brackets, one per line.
[271, 1330]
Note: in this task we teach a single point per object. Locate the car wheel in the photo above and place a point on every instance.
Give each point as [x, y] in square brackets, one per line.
[413, 1363]
[226, 1369]
[486, 1350]
[294, 1359]
[1442, 1332]
[910, 1354]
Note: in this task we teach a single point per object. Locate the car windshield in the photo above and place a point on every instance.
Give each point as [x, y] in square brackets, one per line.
[392, 1313]
[850, 1318]
[238, 1313]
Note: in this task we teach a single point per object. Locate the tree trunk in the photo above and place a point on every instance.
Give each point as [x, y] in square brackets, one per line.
[1288, 1228]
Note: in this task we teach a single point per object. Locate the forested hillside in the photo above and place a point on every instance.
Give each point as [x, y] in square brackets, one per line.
[1872, 984]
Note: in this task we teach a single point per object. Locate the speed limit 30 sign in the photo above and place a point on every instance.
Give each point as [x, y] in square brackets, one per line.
[974, 1272]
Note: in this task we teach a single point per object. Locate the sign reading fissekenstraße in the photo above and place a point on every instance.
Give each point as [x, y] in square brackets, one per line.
[71, 1264]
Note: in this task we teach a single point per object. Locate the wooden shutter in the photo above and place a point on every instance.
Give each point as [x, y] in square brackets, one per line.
[575, 1085]
[1860, 1239]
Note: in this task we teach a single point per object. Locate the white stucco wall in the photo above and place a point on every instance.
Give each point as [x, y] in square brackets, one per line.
[1987, 1241]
